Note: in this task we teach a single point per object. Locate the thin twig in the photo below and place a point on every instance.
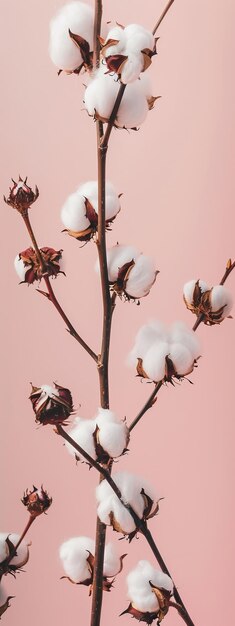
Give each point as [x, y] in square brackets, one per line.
[97, 29]
[140, 524]
[51, 295]
[168, 6]
[147, 405]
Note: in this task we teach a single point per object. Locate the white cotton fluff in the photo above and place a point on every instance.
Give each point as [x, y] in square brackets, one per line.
[141, 277]
[189, 287]
[117, 256]
[132, 68]
[73, 554]
[20, 267]
[73, 212]
[131, 41]
[113, 434]
[22, 551]
[138, 38]
[102, 91]
[154, 342]
[79, 18]
[140, 592]
[117, 33]
[219, 297]
[130, 487]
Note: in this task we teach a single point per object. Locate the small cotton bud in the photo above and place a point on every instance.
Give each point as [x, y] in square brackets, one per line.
[21, 196]
[149, 591]
[77, 556]
[4, 600]
[51, 405]
[136, 492]
[164, 354]
[36, 501]
[12, 559]
[79, 214]
[29, 267]
[71, 37]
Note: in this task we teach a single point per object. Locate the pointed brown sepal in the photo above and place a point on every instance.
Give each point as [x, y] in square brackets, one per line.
[6, 605]
[163, 597]
[115, 62]
[140, 369]
[83, 46]
[151, 101]
[141, 616]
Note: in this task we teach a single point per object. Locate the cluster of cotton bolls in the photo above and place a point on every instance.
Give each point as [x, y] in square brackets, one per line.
[136, 492]
[128, 51]
[103, 437]
[149, 591]
[214, 303]
[77, 556]
[79, 213]
[101, 93]
[131, 274]
[163, 353]
[10, 565]
[76, 18]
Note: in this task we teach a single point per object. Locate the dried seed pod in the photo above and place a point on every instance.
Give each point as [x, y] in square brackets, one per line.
[51, 405]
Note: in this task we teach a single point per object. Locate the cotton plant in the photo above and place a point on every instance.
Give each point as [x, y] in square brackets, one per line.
[118, 94]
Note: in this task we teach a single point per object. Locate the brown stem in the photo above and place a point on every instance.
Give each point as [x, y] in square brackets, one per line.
[168, 6]
[71, 329]
[97, 28]
[147, 405]
[140, 524]
[113, 116]
[51, 296]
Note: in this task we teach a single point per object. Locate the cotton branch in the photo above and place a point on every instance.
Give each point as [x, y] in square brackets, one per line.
[140, 524]
[168, 6]
[50, 293]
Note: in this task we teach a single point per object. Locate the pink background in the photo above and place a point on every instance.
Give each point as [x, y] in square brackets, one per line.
[177, 177]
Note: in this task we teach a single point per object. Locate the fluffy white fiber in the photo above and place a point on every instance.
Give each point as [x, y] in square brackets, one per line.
[75, 552]
[140, 592]
[221, 297]
[189, 287]
[79, 18]
[130, 487]
[101, 93]
[154, 343]
[140, 277]
[131, 41]
[73, 213]
[20, 267]
[22, 551]
[112, 434]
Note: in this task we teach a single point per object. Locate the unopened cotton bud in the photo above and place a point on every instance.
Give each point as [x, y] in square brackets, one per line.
[149, 591]
[51, 405]
[136, 492]
[29, 267]
[79, 213]
[21, 196]
[36, 501]
[67, 52]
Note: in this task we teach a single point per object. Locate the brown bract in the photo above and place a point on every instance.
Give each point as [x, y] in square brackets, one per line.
[51, 409]
[36, 501]
[141, 616]
[170, 371]
[34, 271]
[21, 196]
[5, 606]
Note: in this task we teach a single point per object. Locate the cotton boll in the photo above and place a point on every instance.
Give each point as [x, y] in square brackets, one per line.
[79, 18]
[189, 287]
[118, 256]
[140, 592]
[20, 267]
[117, 33]
[138, 38]
[82, 433]
[73, 213]
[146, 336]
[74, 554]
[113, 438]
[112, 203]
[112, 563]
[133, 109]
[179, 332]
[132, 68]
[181, 359]
[141, 277]
[154, 361]
[221, 297]
[22, 551]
